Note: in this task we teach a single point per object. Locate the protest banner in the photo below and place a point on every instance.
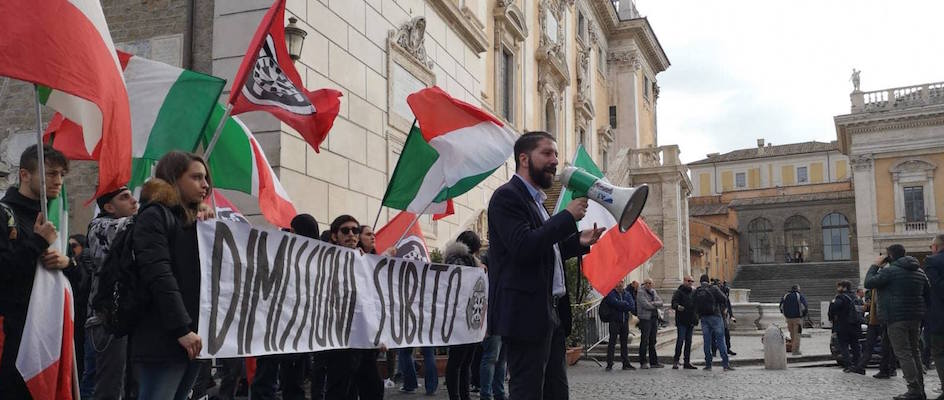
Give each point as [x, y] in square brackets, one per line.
[270, 292]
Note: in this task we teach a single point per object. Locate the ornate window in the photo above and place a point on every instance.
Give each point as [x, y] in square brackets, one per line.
[796, 232]
[510, 32]
[836, 238]
[758, 236]
[915, 205]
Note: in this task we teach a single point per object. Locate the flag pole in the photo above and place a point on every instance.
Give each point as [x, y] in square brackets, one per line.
[377, 219]
[410, 226]
[41, 159]
[216, 133]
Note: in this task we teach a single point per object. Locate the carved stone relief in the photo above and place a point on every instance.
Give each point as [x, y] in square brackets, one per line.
[411, 36]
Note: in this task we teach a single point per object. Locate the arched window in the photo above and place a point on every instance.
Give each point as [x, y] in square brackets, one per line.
[836, 238]
[796, 232]
[758, 235]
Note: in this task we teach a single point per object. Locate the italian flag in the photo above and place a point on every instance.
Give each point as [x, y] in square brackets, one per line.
[169, 109]
[45, 359]
[616, 254]
[238, 163]
[65, 45]
[450, 149]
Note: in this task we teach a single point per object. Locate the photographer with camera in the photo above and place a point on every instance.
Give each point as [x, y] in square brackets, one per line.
[903, 302]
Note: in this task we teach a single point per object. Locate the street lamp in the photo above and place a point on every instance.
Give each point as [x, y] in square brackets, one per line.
[294, 38]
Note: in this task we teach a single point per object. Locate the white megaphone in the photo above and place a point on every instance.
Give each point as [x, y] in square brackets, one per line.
[625, 203]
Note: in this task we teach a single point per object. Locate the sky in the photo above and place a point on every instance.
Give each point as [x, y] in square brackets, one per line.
[780, 70]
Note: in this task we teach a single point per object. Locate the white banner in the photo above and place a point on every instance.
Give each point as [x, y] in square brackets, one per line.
[268, 292]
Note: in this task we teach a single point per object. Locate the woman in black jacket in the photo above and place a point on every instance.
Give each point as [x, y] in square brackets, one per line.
[164, 342]
[461, 252]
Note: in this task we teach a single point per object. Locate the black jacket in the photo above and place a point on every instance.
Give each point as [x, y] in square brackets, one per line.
[934, 268]
[168, 266]
[521, 264]
[719, 299]
[19, 253]
[903, 290]
[842, 311]
[684, 296]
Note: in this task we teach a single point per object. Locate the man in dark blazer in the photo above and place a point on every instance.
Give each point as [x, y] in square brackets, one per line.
[528, 302]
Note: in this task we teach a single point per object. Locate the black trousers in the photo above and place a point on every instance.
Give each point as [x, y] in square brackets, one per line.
[648, 329]
[367, 384]
[618, 331]
[872, 336]
[538, 367]
[458, 370]
[848, 338]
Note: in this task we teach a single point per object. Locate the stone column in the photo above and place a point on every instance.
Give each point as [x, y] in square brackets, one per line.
[863, 174]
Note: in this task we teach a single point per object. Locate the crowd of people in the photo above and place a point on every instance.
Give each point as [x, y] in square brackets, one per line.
[157, 359]
[902, 305]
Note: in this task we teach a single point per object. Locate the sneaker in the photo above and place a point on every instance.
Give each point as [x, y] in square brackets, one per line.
[657, 365]
[860, 371]
[389, 383]
[707, 368]
[675, 365]
[405, 390]
[689, 366]
[729, 368]
[644, 366]
[628, 367]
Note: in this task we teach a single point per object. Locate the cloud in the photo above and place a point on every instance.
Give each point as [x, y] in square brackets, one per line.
[746, 69]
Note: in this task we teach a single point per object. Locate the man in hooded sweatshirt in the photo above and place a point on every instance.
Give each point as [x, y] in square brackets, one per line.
[903, 304]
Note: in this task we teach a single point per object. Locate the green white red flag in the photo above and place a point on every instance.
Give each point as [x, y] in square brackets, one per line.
[617, 253]
[413, 245]
[169, 109]
[450, 149]
[238, 163]
[45, 358]
[65, 45]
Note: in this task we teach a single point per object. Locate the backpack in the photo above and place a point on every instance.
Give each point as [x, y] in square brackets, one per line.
[854, 316]
[704, 301]
[120, 298]
[605, 311]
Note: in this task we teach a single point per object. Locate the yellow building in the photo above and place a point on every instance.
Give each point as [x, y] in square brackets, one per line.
[895, 141]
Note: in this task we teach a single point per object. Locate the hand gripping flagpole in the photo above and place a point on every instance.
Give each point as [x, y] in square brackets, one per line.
[41, 161]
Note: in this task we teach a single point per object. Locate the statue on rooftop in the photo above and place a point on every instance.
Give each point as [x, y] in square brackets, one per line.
[855, 79]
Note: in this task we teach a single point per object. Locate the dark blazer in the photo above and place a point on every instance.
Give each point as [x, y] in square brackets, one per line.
[521, 264]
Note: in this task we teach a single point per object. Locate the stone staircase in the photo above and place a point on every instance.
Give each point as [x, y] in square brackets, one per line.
[817, 280]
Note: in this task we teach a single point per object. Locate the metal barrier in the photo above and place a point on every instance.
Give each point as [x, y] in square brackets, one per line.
[595, 331]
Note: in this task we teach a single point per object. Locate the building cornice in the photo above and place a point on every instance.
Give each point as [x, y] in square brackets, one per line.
[638, 28]
[463, 21]
[850, 124]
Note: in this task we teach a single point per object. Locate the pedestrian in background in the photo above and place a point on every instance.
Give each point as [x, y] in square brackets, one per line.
[794, 309]
[905, 293]
[683, 302]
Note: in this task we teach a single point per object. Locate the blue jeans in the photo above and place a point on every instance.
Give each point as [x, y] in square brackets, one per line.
[712, 331]
[87, 382]
[166, 381]
[492, 370]
[408, 370]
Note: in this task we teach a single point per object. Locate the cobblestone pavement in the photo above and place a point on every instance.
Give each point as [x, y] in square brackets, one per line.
[587, 381]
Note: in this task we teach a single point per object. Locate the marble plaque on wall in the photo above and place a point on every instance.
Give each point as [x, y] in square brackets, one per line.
[403, 84]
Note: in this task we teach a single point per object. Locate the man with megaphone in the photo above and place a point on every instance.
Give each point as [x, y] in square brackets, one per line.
[528, 303]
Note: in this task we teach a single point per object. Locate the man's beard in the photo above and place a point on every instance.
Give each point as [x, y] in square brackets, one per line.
[542, 177]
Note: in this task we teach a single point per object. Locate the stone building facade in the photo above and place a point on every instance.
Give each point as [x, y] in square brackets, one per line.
[895, 141]
[584, 70]
[787, 203]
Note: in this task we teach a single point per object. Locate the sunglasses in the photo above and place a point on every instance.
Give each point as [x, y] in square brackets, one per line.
[348, 230]
[74, 245]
